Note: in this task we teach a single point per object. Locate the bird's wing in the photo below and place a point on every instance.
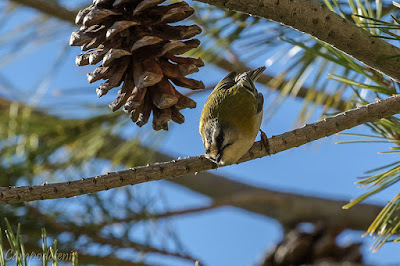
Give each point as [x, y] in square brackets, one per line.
[260, 102]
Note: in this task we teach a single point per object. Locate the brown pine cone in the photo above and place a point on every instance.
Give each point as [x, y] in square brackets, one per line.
[140, 50]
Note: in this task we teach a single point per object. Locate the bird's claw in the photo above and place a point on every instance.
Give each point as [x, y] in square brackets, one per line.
[264, 142]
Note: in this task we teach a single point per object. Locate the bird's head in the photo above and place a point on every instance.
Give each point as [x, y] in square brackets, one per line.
[223, 143]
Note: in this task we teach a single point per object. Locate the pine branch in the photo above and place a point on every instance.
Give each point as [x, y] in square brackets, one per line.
[315, 19]
[326, 210]
[211, 185]
[158, 171]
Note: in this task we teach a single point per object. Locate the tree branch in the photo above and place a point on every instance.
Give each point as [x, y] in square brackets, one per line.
[214, 186]
[315, 19]
[158, 171]
[289, 209]
[51, 9]
[308, 208]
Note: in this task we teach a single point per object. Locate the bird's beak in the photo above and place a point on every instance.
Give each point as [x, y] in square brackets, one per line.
[216, 159]
[254, 74]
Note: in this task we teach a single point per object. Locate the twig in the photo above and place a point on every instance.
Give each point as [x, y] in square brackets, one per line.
[315, 19]
[158, 171]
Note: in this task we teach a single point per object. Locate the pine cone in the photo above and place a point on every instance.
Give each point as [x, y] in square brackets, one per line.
[140, 50]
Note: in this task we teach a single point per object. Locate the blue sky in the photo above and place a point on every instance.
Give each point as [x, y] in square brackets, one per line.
[225, 236]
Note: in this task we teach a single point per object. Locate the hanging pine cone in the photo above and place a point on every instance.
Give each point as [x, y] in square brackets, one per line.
[140, 50]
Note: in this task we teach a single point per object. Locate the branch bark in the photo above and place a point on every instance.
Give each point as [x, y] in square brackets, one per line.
[158, 171]
[315, 19]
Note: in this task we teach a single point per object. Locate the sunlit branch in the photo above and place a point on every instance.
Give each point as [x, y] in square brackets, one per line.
[214, 186]
[159, 171]
[315, 19]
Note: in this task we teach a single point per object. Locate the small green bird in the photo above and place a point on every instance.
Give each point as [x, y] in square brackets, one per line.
[231, 117]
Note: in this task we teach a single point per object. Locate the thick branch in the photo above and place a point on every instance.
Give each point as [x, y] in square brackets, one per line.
[49, 8]
[314, 18]
[158, 171]
[289, 209]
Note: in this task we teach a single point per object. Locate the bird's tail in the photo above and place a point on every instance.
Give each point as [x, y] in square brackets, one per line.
[248, 78]
[254, 74]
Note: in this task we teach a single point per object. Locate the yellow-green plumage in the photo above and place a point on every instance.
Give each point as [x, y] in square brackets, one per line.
[236, 105]
[231, 117]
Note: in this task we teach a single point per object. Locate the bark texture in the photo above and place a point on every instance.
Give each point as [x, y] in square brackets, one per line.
[315, 19]
[158, 171]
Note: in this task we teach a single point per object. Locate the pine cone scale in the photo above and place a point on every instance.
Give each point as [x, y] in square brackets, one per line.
[97, 74]
[96, 15]
[118, 27]
[145, 4]
[123, 95]
[113, 54]
[146, 41]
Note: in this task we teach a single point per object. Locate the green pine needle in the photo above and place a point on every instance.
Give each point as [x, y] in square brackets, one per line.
[386, 224]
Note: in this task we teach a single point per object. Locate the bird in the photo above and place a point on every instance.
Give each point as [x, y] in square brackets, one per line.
[231, 118]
